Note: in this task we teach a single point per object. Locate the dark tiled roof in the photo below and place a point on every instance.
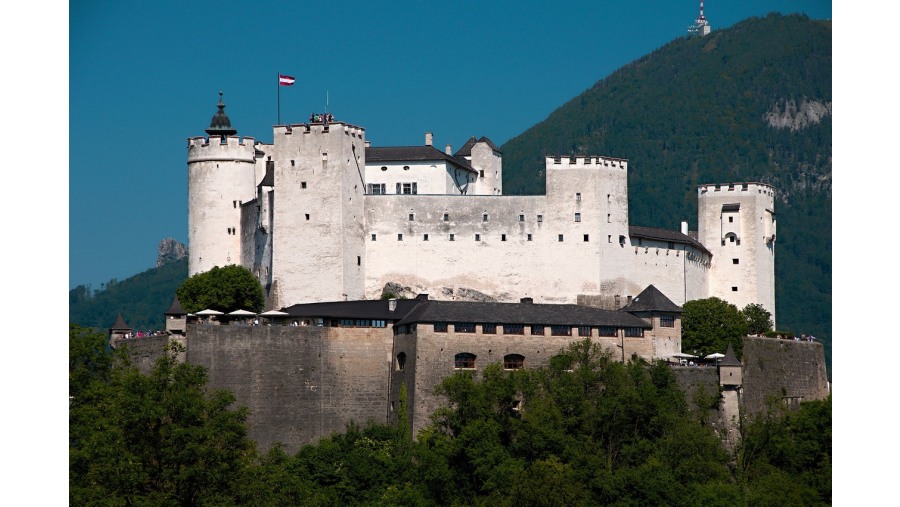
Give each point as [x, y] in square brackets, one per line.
[364, 309]
[413, 154]
[652, 300]
[269, 179]
[120, 324]
[665, 235]
[176, 308]
[220, 125]
[730, 359]
[731, 207]
[520, 313]
[466, 149]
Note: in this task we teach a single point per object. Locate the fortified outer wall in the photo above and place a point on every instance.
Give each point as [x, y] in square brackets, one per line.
[144, 352]
[788, 370]
[300, 383]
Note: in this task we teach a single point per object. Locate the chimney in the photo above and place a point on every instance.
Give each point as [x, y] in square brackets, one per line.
[448, 150]
[392, 304]
[684, 229]
[422, 297]
[526, 301]
[429, 138]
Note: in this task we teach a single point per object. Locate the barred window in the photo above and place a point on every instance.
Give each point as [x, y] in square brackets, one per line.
[489, 328]
[513, 329]
[561, 330]
[608, 331]
[464, 360]
[537, 329]
[667, 321]
[513, 362]
[634, 331]
[440, 327]
[584, 330]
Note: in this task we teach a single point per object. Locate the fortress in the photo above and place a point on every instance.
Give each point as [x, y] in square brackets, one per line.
[320, 215]
[339, 232]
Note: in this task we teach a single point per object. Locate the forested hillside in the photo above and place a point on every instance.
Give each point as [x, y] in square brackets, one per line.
[141, 299]
[747, 103]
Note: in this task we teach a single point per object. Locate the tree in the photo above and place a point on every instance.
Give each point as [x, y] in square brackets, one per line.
[759, 320]
[158, 439]
[224, 289]
[709, 325]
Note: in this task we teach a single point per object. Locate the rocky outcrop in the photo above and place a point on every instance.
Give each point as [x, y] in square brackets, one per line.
[170, 251]
[789, 115]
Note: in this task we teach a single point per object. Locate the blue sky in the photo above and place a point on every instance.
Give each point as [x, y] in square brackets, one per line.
[145, 76]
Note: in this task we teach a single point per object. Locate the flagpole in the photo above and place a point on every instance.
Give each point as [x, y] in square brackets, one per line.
[278, 84]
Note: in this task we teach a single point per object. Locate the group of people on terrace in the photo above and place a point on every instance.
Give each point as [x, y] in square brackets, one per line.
[321, 118]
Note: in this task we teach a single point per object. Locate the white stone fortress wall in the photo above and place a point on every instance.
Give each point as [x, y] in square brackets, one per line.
[221, 178]
[736, 222]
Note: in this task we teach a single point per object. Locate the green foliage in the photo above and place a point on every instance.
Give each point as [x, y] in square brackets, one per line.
[224, 289]
[158, 439]
[710, 325]
[142, 299]
[692, 112]
[89, 360]
[759, 320]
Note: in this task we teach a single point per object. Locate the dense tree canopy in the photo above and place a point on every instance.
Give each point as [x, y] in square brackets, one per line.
[224, 289]
[710, 325]
[759, 320]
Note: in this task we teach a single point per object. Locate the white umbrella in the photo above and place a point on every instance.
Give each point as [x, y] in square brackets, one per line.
[241, 313]
[273, 313]
[209, 312]
[682, 354]
[715, 355]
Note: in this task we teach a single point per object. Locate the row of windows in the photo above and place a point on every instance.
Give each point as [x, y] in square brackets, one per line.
[540, 329]
[466, 361]
[452, 237]
[401, 188]
[379, 188]
[358, 323]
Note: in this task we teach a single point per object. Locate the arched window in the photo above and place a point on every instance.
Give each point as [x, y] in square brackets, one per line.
[464, 360]
[401, 361]
[513, 362]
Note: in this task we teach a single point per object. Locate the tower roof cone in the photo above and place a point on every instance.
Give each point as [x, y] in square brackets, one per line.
[220, 124]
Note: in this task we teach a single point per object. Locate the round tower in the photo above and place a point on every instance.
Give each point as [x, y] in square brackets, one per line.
[736, 223]
[221, 178]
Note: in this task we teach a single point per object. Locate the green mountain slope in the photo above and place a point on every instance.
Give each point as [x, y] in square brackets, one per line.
[701, 111]
[141, 299]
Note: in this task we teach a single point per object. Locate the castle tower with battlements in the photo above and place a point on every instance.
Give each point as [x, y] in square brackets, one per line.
[221, 178]
[736, 222]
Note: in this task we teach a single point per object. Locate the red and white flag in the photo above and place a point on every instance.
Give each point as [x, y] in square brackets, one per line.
[285, 80]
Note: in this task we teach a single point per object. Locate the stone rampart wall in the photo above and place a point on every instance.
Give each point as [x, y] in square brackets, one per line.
[300, 383]
[787, 370]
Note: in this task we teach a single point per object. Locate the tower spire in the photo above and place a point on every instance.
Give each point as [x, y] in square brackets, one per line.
[220, 124]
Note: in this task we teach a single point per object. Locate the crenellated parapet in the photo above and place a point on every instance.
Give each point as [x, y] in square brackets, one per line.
[337, 127]
[741, 189]
[229, 148]
[585, 162]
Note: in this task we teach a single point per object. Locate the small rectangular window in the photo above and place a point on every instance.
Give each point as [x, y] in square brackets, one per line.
[560, 238]
[399, 237]
[621, 240]
[731, 219]
[529, 237]
[634, 332]
[489, 328]
[307, 216]
[586, 238]
[537, 330]
[735, 261]
[584, 330]
[478, 237]
[609, 238]
[446, 217]
[608, 218]
[560, 330]
[667, 321]
[734, 289]
[464, 327]
[302, 184]
[412, 217]
[671, 245]
[484, 217]
[577, 196]
[373, 237]
[453, 237]
[358, 260]
[292, 163]
[540, 218]
[440, 327]
[578, 217]
[521, 218]
[503, 237]
[425, 237]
